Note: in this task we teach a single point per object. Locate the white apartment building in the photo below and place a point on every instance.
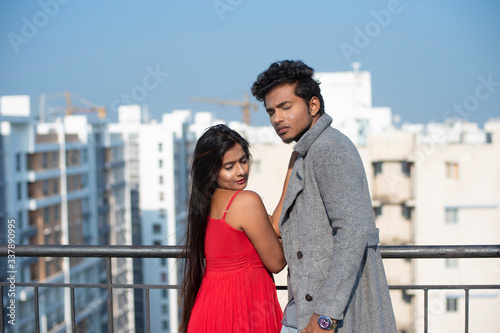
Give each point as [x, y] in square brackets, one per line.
[57, 180]
[159, 157]
[348, 99]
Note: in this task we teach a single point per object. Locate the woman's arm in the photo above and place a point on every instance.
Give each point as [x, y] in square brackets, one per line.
[275, 218]
[250, 213]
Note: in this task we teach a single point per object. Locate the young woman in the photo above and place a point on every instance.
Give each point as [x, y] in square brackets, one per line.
[231, 244]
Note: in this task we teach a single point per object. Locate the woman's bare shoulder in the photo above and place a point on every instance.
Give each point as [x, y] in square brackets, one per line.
[249, 195]
[248, 200]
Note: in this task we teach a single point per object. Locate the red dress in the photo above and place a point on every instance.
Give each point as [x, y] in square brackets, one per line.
[237, 293]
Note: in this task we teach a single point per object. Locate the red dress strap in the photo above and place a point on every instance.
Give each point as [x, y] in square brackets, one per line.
[229, 204]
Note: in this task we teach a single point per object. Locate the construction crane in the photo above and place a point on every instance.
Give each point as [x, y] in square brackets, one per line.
[245, 105]
[70, 108]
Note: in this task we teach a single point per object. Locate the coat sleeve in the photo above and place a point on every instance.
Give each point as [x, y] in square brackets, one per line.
[341, 180]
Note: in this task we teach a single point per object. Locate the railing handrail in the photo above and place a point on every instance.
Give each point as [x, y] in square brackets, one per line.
[123, 251]
[129, 251]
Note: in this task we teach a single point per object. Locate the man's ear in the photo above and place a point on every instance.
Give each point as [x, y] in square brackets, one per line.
[314, 106]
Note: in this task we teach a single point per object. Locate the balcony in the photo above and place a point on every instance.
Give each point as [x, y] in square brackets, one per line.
[109, 252]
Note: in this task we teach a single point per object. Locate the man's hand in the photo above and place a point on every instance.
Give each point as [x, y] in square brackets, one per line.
[312, 326]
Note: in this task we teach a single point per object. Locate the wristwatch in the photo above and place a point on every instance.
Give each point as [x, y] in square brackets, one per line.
[326, 323]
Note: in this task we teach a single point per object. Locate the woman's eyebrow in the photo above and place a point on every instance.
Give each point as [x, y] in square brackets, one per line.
[232, 162]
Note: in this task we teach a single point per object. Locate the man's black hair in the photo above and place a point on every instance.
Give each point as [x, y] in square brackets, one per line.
[286, 72]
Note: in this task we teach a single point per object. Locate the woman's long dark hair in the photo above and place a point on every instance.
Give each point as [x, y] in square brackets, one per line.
[206, 164]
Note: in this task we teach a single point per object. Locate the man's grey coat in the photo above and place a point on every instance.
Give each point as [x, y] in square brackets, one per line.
[329, 236]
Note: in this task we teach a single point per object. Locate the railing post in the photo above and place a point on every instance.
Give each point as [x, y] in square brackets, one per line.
[466, 310]
[1, 310]
[73, 321]
[148, 317]
[109, 282]
[426, 309]
[37, 311]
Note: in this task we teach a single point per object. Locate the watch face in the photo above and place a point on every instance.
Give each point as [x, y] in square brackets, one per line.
[324, 322]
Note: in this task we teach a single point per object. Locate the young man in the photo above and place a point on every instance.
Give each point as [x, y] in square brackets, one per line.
[336, 276]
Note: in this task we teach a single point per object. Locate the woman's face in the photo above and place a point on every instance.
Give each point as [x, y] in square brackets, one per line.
[233, 174]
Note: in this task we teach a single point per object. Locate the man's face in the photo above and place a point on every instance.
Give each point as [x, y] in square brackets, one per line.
[290, 116]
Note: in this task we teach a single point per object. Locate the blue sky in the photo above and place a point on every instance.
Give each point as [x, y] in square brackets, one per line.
[426, 57]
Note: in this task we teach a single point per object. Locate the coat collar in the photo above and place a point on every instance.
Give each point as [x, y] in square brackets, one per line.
[312, 134]
[296, 184]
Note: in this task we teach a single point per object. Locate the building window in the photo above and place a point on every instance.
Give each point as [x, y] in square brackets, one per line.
[406, 168]
[157, 243]
[406, 297]
[46, 215]
[377, 211]
[84, 178]
[160, 147]
[164, 293]
[47, 239]
[161, 196]
[18, 161]
[56, 212]
[161, 180]
[451, 215]
[377, 168]
[44, 160]
[84, 156]
[406, 211]
[451, 262]
[55, 158]
[452, 170]
[45, 187]
[55, 185]
[47, 268]
[19, 191]
[160, 164]
[19, 219]
[451, 304]
[156, 228]
[165, 325]
[162, 213]
[164, 309]
[164, 277]
[163, 262]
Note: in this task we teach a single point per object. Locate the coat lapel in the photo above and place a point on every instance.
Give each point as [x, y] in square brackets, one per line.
[296, 183]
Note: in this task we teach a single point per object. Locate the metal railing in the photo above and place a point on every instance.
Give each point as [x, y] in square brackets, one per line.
[108, 252]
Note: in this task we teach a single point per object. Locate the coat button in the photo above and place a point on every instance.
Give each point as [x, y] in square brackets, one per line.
[299, 255]
[309, 297]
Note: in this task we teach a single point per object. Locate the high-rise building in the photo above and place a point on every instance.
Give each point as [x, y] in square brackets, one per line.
[64, 184]
[159, 156]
